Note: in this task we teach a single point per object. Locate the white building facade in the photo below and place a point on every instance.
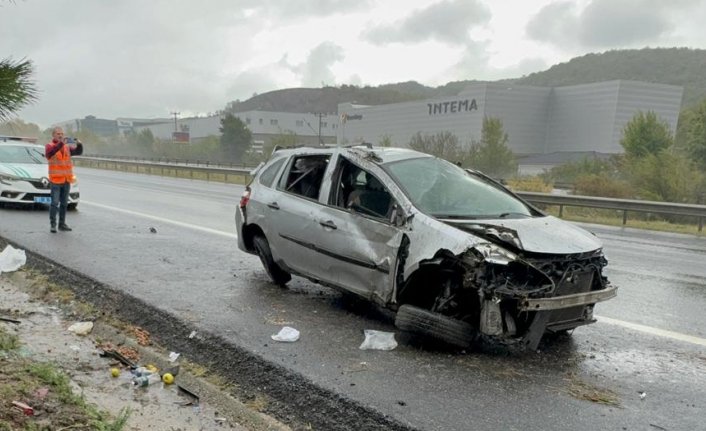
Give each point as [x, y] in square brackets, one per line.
[538, 120]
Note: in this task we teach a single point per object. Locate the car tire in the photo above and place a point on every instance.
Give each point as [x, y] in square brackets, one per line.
[72, 207]
[274, 271]
[434, 325]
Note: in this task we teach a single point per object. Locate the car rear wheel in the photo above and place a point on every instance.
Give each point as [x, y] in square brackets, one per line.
[72, 207]
[424, 322]
[274, 271]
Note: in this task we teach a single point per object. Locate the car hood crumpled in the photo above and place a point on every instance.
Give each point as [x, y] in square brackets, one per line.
[537, 235]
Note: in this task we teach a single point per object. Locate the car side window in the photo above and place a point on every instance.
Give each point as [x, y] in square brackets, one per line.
[305, 175]
[360, 191]
[267, 178]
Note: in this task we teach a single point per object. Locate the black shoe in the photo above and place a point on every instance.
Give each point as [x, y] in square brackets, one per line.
[52, 229]
[65, 227]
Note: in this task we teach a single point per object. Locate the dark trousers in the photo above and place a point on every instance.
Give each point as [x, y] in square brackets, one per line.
[59, 202]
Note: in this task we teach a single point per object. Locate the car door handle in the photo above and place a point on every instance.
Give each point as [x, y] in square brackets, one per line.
[328, 223]
[273, 205]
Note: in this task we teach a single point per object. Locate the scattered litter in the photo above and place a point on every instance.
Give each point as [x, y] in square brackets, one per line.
[7, 319]
[174, 371]
[193, 334]
[147, 380]
[642, 395]
[153, 230]
[168, 378]
[12, 259]
[111, 353]
[378, 340]
[75, 348]
[81, 328]
[286, 334]
[142, 335]
[220, 420]
[24, 408]
[173, 356]
[115, 372]
[194, 398]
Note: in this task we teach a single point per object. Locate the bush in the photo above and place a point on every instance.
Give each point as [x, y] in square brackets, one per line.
[530, 184]
[598, 185]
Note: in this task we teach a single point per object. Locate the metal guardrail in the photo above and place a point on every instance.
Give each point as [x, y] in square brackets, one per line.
[624, 205]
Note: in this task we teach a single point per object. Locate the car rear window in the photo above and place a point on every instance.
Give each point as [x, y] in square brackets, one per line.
[305, 175]
[268, 176]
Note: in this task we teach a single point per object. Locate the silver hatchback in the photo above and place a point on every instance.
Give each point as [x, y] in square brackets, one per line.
[455, 254]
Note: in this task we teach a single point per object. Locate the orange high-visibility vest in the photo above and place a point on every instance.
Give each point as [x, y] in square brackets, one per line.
[60, 167]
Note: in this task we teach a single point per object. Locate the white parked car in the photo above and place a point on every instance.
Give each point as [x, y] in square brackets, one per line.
[24, 174]
[455, 254]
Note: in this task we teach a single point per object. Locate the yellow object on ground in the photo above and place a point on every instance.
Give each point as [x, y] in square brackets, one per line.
[168, 378]
[115, 372]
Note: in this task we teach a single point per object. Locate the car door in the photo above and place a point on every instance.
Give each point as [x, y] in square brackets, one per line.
[358, 246]
[294, 213]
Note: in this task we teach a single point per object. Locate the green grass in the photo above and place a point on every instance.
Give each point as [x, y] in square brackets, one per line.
[615, 218]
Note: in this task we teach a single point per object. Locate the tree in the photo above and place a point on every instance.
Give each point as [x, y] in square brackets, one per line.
[236, 138]
[666, 177]
[443, 145]
[645, 134]
[16, 86]
[695, 134]
[18, 127]
[491, 155]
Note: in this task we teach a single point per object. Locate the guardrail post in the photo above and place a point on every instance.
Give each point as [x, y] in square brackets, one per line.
[625, 217]
[701, 224]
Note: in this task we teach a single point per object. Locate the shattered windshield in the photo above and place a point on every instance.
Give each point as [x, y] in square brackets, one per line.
[442, 189]
[21, 154]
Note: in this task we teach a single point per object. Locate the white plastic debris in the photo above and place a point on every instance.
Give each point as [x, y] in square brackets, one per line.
[81, 328]
[642, 395]
[286, 334]
[378, 340]
[193, 334]
[12, 259]
[173, 356]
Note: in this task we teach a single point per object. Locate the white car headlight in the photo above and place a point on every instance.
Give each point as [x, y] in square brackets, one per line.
[495, 254]
[7, 179]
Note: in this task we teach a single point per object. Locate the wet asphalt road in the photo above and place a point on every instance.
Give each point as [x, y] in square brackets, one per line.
[651, 339]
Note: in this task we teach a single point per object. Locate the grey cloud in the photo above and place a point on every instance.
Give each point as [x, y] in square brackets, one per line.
[316, 71]
[556, 23]
[293, 9]
[605, 23]
[448, 21]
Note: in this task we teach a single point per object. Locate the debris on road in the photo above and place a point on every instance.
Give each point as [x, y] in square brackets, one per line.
[173, 356]
[24, 408]
[12, 259]
[378, 340]
[643, 395]
[81, 328]
[286, 334]
[141, 335]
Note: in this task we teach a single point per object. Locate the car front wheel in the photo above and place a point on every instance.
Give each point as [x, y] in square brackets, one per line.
[435, 325]
[274, 271]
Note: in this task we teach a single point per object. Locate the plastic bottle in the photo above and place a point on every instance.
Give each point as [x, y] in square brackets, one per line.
[146, 380]
[142, 371]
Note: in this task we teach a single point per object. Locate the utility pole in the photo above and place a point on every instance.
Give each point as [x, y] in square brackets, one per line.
[321, 142]
[175, 120]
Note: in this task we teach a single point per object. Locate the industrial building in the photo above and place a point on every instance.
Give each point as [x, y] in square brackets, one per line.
[538, 120]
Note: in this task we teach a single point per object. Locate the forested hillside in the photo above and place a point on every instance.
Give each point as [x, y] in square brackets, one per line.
[675, 66]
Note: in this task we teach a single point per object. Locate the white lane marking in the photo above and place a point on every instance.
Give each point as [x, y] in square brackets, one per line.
[163, 220]
[654, 331]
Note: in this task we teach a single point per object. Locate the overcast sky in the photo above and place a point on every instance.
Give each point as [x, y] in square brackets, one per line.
[137, 58]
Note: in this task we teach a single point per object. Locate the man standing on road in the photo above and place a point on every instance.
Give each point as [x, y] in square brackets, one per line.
[61, 175]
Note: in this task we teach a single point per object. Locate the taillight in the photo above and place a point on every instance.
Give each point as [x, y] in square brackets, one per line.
[245, 198]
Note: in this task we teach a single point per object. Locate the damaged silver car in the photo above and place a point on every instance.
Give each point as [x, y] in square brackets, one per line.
[454, 253]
